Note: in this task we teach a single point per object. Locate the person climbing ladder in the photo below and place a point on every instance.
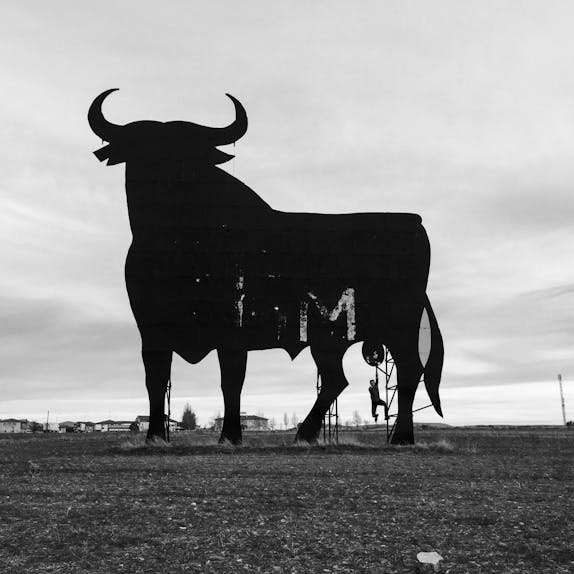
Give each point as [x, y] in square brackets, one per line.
[376, 400]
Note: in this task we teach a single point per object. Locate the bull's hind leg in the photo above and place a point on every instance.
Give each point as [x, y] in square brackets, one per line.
[232, 363]
[409, 371]
[329, 361]
[157, 366]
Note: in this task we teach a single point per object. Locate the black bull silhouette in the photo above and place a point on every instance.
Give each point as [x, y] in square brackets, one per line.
[212, 266]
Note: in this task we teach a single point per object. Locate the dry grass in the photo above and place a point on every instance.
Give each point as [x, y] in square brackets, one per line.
[486, 500]
[137, 441]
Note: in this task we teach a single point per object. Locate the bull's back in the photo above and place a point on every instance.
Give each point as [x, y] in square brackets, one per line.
[355, 248]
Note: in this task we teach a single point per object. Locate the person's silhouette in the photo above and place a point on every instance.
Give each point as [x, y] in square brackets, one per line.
[376, 400]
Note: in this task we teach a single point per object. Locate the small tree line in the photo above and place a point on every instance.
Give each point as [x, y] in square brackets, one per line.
[189, 422]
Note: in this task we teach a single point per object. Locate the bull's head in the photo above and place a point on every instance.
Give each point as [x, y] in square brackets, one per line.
[150, 140]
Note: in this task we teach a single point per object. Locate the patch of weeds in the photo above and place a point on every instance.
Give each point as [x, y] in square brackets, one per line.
[300, 444]
[7, 442]
[472, 448]
[139, 442]
[350, 440]
[441, 446]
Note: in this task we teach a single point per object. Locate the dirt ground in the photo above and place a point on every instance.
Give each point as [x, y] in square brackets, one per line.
[487, 500]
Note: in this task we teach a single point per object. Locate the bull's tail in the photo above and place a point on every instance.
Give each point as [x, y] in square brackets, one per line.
[433, 367]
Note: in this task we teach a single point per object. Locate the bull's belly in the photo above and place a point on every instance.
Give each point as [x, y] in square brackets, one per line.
[195, 320]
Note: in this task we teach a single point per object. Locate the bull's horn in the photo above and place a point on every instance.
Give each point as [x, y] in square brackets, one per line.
[234, 131]
[100, 126]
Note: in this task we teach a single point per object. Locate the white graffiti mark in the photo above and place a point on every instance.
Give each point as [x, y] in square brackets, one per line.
[281, 324]
[346, 304]
[303, 320]
[239, 302]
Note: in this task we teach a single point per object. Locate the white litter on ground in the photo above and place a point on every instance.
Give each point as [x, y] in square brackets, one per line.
[433, 558]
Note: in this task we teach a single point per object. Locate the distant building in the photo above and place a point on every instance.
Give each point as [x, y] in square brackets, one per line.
[67, 426]
[14, 425]
[23, 425]
[113, 426]
[248, 423]
[143, 424]
[103, 426]
[119, 426]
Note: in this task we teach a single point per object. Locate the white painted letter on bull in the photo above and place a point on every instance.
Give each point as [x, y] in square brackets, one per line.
[239, 301]
[345, 304]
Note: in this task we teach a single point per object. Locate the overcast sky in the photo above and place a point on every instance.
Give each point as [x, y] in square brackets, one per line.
[462, 112]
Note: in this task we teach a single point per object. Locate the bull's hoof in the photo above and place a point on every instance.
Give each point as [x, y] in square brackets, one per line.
[155, 440]
[402, 439]
[306, 436]
[302, 442]
[235, 441]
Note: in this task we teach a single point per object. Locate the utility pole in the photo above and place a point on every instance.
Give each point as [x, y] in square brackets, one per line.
[562, 399]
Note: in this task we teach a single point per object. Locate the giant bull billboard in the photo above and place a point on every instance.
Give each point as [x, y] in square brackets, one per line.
[213, 266]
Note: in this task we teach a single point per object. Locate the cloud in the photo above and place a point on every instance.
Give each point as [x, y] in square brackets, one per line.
[54, 349]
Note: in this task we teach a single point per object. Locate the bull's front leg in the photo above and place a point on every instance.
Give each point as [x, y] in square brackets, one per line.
[329, 361]
[232, 363]
[408, 377]
[157, 364]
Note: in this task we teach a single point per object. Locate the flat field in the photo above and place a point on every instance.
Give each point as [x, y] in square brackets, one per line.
[487, 500]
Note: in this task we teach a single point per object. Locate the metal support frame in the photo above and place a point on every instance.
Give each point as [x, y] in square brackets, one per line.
[168, 417]
[331, 420]
[387, 369]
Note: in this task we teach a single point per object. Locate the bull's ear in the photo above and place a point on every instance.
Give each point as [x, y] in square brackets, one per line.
[103, 153]
[111, 154]
[216, 156]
